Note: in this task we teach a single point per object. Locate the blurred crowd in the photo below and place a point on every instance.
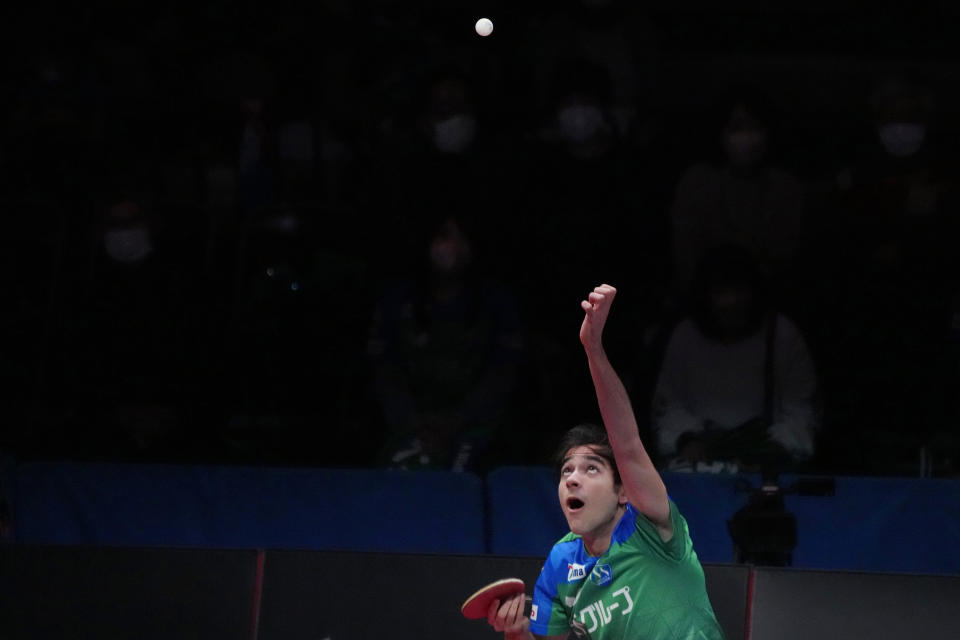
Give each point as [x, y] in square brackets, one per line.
[357, 234]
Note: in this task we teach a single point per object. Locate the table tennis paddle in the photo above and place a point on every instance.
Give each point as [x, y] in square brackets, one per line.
[477, 605]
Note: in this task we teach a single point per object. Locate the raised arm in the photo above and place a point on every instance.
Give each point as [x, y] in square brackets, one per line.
[642, 482]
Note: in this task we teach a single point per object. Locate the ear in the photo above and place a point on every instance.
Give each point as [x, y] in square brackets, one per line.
[622, 499]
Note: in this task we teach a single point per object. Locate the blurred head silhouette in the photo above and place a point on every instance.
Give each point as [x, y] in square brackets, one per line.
[449, 117]
[728, 295]
[902, 111]
[745, 129]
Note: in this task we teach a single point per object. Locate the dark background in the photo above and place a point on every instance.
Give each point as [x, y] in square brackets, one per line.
[244, 337]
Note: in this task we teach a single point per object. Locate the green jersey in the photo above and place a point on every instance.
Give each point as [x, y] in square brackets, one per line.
[641, 589]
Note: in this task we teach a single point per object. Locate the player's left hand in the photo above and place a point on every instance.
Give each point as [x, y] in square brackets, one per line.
[596, 308]
[508, 617]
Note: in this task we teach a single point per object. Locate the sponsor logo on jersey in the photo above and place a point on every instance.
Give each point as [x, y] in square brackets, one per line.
[533, 612]
[600, 614]
[576, 571]
[601, 575]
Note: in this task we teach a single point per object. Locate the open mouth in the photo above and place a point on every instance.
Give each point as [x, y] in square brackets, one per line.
[574, 504]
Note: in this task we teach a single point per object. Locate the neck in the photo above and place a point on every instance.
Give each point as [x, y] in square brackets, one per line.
[597, 542]
[597, 546]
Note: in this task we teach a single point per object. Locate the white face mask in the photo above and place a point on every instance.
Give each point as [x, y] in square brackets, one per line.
[128, 245]
[579, 122]
[455, 134]
[902, 139]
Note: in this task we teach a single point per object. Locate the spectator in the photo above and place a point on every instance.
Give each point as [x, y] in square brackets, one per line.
[283, 371]
[121, 348]
[737, 384]
[443, 156]
[745, 201]
[578, 161]
[894, 278]
[612, 35]
[241, 127]
[445, 347]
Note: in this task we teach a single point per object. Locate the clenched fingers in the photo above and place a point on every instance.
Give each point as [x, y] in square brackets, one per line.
[510, 615]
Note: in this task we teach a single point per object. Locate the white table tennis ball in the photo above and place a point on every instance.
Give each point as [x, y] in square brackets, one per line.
[484, 26]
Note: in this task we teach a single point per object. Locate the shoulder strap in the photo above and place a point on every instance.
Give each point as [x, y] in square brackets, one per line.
[768, 383]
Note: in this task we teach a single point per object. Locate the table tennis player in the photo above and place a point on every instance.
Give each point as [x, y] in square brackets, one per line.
[627, 569]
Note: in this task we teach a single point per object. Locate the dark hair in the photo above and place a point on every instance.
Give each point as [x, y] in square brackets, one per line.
[446, 75]
[580, 76]
[752, 99]
[474, 284]
[589, 435]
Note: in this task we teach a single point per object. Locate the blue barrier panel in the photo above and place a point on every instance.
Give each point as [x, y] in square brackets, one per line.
[525, 516]
[876, 524]
[524, 511]
[240, 507]
[880, 524]
[707, 501]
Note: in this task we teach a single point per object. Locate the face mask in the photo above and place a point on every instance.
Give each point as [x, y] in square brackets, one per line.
[579, 123]
[454, 134]
[745, 147]
[127, 245]
[902, 139]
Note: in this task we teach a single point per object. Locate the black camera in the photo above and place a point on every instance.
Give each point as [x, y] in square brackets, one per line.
[763, 531]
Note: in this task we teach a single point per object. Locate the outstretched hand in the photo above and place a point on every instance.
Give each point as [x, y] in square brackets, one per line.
[596, 308]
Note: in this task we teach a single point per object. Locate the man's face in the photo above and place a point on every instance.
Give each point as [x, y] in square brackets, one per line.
[588, 496]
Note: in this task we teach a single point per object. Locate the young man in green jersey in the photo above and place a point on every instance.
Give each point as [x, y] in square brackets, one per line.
[627, 568]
